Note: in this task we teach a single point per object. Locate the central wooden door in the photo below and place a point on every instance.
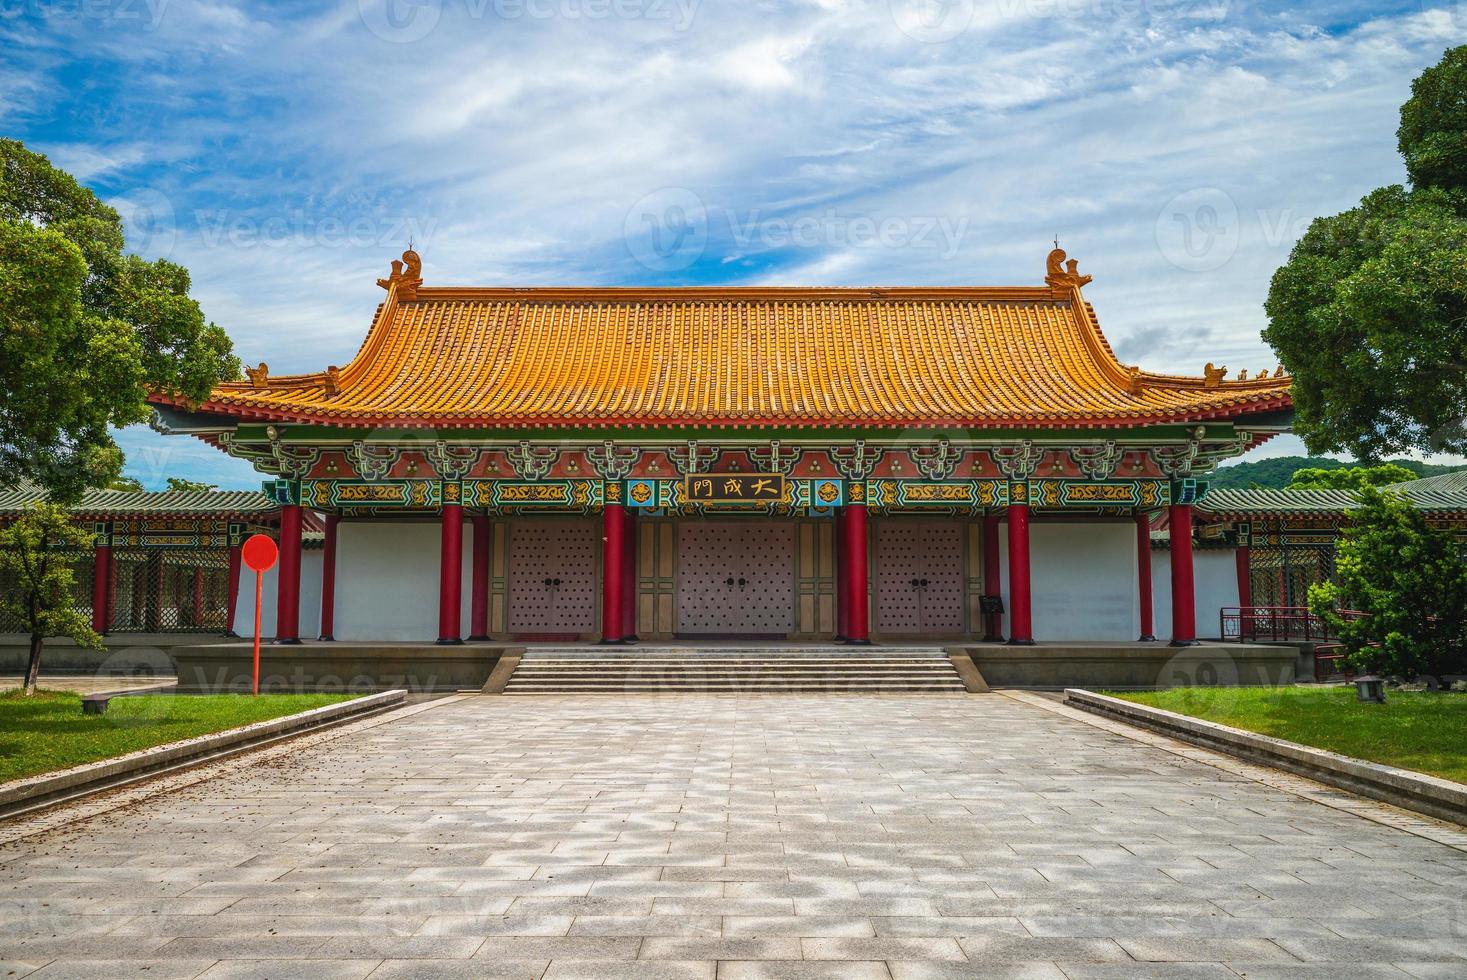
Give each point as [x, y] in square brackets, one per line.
[552, 576]
[919, 577]
[736, 578]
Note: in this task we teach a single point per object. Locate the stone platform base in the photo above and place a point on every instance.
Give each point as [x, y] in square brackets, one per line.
[1056, 666]
[355, 667]
[125, 654]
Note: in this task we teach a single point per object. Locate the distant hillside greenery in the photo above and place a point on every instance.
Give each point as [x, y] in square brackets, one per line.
[1276, 474]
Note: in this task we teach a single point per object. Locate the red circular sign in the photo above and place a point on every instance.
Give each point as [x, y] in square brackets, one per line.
[259, 553]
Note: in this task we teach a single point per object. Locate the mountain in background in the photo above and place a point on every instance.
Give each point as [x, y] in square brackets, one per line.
[1275, 474]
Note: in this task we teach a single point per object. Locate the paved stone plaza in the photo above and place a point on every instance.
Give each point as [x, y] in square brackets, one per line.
[832, 836]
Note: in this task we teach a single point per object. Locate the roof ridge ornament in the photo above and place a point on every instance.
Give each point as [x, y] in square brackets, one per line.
[1062, 276]
[407, 274]
[1212, 376]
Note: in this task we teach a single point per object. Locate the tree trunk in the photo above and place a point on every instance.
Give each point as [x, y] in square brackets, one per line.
[33, 669]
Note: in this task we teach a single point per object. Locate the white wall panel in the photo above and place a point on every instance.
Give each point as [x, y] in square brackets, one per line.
[1083, 581]
[1215, 584]
[387, 580]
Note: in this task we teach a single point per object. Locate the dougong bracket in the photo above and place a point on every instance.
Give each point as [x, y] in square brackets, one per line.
[775, 458]
[1018, 462]
[532, 462]
[371, 462]
[695, 458]
[856, 463]
[937, 462]
[613, 462]
[1098, 462]
[452, 464]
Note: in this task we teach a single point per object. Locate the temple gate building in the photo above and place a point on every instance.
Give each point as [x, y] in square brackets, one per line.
[849, 464]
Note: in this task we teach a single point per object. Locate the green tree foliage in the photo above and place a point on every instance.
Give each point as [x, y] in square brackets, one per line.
[1370, 312]
[1349, 477]
[1433, 133]
[192, 486]
[125, 483]
[36, 552]
[1410, 583]
[85, 329]
[1278, 472]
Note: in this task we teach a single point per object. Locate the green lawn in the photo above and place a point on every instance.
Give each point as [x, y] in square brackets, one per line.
[1424, 732]
[48, 731]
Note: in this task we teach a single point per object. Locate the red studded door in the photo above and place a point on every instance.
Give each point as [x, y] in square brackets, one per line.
[736, 578]
[552, 576]
[919, 577]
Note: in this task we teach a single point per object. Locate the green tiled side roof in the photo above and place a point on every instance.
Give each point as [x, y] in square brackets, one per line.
[104, 503]
[1427, 495]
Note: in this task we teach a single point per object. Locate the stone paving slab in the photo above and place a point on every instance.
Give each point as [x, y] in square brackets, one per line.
[730, 837]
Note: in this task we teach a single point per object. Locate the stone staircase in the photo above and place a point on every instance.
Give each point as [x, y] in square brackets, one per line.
[763, 669]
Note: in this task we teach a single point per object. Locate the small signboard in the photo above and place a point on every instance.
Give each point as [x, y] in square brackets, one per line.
[991, 605]
[733, 488]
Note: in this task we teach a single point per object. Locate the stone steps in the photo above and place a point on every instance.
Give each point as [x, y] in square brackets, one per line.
[740, 670]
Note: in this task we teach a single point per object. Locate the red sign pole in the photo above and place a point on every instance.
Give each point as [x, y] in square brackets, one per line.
[259, 553]
[259, 591]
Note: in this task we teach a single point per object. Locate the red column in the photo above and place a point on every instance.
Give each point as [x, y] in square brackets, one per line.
[858, 596]
[288, 577]
[1143, 575]
[102, 588]
[629, 579]
[450, 575]
[842, 605]
[1245, 576]
[479, 581]
[1244, 562]
[198, 596]
[1184, 603]
[235, 561]
[992, 623]
[328, 580]
[613, 573]
[1021, 626]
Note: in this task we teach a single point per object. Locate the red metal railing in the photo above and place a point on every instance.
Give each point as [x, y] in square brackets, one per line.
[1278, 624]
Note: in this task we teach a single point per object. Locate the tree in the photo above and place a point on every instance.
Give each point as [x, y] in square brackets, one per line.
[1349, 477]
[36, 554]
[1370, 312]
[193, 486]
[124, 483]
[1408, 584]
[85, 330]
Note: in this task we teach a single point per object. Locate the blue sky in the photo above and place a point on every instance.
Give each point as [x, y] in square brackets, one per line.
[285, 153]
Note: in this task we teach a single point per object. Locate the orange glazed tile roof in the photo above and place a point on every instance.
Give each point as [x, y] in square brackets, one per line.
[921, 357]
